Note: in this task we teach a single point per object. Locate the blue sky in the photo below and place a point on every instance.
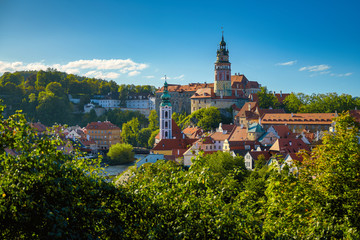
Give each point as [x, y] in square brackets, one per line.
[293, 46]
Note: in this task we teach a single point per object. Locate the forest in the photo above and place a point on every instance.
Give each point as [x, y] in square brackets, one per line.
[43, 95]
[46, 194]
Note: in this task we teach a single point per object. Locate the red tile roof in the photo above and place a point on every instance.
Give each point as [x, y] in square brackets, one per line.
[39, 127]
[102, 126]
[289, 145]
[193, 132]
[171, 144]
[355, 114]
[255, 154]
[249, 106]
[238, 134]
[298, 118]
[191, 87]
[219, 136]
[296, 156]
[283, 131]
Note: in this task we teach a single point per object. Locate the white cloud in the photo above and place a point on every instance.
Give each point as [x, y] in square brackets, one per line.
[286, 63]
[133, 73]
[180, 77]
[102, 75]
[341, 74]
[99, 68]
[315, 68]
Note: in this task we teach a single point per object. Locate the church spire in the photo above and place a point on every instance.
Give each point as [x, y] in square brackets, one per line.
[165, 114]
[165, 97]
[222, 85]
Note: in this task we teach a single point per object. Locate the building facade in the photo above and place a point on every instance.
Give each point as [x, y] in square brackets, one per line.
[105, 134]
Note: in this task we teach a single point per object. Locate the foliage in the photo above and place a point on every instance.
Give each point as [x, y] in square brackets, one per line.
[25, 90]
[266, 99]
[206, 118]
[151, 140]
[144, 136]
[320, 203]
[189, 204]
[120, 153]
[46, 194]
[320, 103]
[130, 132]
[153, 120]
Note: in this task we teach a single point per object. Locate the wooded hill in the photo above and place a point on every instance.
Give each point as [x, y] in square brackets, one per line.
[43, 95]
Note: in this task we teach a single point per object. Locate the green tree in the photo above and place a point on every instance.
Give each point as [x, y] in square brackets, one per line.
[266, 99]
[120, 153]
[206, 118]
[144, 136]
[46, 194]
[151, 140]
[56, 89]
[130, 132]
[292, 103]
[320, 202]
[153, 120]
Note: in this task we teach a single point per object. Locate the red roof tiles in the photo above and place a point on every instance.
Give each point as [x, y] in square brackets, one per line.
[101, 126]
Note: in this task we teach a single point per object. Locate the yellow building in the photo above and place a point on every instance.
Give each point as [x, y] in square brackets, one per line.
[105, 134]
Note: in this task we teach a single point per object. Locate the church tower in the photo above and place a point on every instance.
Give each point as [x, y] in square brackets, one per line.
[165, 114]
[222, 70]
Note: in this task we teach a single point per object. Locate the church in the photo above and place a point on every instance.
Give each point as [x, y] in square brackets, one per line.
[226, 91]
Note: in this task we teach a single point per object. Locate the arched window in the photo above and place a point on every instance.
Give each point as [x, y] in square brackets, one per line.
[166, 124]
[166, 134]
[166, 114]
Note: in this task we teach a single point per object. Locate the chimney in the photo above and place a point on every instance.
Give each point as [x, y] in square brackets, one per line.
[290, 143]
[292, 114]
[249, 106]
[280, 93]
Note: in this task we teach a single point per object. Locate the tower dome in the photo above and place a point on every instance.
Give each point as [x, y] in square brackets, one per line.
[165, 97]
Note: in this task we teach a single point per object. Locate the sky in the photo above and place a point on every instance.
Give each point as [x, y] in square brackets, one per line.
[286, 45]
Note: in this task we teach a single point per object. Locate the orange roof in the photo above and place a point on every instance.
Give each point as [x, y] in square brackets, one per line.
[289, 145]
[39, 127]
[205, 140]
[283, 131]
[87, 142]
[355, 114]
[228, 127]
[255, 154]
[298, 118]
[193, 132]
[296, 156]
[171, 144]
[219, 136]
[204, 93]
[238, 79]
[102, 126]
[191, 87]
[238, 134]
[240, 145]
[262, 112]
[249, 106]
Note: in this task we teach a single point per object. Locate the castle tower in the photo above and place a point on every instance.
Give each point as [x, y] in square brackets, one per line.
[165, 114]
[222, 71]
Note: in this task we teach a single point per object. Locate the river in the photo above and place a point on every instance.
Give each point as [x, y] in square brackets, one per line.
[117, 169]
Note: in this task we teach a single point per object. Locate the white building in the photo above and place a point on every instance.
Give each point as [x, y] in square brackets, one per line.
[139, 101]
[109, 103]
